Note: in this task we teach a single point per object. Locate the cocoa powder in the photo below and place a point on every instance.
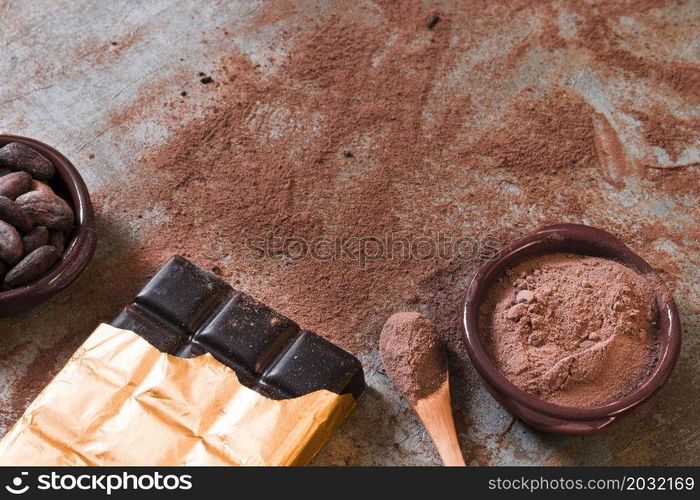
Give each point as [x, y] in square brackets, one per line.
[269, 158]
[573, 330]
[410, 104]
[413, 355]
[663, 130]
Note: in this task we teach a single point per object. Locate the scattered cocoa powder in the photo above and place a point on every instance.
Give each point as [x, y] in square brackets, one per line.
[282, 139]
[663, 130]
[574, 330]
[598, 35]
[260, 167]
[269, 159]
[451, 131]
[413, 355]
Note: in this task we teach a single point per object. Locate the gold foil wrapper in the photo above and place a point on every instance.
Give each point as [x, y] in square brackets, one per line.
[121, 401]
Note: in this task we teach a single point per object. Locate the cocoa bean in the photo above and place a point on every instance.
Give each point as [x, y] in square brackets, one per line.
[14, 184]
[18, 156]
[37, 237]
[40, 186]
[10, 243]
[12, 212]
[32, 266]
[57, 239]
[47, 210]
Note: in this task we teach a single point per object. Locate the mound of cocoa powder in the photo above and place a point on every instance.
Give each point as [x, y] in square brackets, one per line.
[413, 355]
[574, 330]
[268, 159]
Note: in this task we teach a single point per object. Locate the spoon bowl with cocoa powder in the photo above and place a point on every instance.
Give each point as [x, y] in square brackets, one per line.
[414, 358]
[569, 329]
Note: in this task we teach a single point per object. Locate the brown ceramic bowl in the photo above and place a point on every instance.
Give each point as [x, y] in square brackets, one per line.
[583, 240]
[80, 244]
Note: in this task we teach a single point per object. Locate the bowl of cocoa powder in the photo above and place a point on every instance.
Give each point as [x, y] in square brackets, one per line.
[47, 224]
[569, 329]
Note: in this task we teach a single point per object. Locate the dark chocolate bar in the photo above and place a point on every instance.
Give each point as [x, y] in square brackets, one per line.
[187, 311]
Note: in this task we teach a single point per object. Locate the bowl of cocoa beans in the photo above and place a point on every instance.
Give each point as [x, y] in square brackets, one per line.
[47, 224]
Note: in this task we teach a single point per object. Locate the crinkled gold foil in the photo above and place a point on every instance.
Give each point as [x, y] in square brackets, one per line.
[120, 401]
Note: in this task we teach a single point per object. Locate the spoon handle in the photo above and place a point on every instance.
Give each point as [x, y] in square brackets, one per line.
[435, 411]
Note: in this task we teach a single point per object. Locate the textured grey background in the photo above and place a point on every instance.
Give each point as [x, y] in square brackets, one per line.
[55, 88]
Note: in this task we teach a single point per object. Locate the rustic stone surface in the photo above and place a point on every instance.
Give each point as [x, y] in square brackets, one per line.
[117, 100]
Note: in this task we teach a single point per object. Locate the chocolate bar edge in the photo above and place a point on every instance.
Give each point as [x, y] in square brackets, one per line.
[304, 362]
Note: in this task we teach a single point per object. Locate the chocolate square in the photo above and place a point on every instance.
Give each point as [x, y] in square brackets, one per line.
[247, 332]
[183, 294]
[311, 363]
[187, 311]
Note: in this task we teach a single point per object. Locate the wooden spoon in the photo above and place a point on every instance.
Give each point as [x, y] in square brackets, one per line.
[435, 411]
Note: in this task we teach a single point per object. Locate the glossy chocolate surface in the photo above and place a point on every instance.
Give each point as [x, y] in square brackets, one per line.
[187, 311]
